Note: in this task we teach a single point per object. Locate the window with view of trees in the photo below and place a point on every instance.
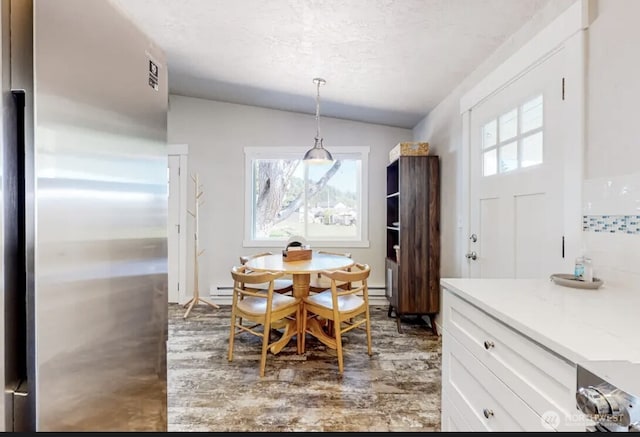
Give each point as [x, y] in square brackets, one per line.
[324, 203]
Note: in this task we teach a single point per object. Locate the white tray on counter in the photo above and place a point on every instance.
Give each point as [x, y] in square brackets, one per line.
[569, 280]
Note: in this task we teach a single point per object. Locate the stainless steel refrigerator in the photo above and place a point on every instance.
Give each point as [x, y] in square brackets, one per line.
[83, 219]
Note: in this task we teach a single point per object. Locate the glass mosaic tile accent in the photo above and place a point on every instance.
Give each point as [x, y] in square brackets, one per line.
[612, 224]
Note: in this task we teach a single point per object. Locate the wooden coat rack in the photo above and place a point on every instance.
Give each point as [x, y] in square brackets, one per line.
[197, 252]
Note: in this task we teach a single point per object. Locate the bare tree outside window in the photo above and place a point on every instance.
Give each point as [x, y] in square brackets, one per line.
[319, 201]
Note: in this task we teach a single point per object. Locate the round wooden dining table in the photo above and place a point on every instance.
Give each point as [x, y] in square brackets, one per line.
[301, 272]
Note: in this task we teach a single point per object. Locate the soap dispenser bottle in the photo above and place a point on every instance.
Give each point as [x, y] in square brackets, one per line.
[578, 270]
[588, 269]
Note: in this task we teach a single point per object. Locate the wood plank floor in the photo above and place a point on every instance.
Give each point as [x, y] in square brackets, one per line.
[397, 389]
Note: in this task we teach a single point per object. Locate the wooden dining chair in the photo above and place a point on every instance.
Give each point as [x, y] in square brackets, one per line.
[343, 307]
[319, 283]
[261, 308]
[281, 285]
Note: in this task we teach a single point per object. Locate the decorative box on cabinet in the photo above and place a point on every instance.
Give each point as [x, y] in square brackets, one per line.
[413, 237]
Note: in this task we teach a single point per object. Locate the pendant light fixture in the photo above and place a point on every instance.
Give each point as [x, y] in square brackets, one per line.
[318, 153]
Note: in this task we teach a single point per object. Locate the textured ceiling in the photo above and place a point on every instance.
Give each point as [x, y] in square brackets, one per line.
[385, 61]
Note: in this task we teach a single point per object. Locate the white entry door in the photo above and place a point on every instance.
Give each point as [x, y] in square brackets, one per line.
[516, 177]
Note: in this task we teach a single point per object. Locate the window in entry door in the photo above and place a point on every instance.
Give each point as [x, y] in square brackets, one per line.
[514, 139]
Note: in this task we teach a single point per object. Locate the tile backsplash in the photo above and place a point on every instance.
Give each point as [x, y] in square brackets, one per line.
[623, 224]
[611, 225]
[619, 195]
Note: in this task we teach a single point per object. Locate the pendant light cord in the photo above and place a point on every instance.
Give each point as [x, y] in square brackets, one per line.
[318, 153]
[319, 82]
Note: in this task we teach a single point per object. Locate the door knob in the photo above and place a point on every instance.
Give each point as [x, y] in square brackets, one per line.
[473, 238]
[472, 255]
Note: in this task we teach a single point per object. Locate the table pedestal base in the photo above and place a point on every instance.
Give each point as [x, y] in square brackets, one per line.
[315, 328]
[290, 330]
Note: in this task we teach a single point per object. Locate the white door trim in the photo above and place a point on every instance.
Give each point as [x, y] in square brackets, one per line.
[566, 31]
[575, 19]
[464, 221]
[182, 150]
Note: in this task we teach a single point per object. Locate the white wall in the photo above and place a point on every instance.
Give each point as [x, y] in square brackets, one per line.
[612, 176]
[442, 128]
[217, 133]
[612, 185]
[613, 146]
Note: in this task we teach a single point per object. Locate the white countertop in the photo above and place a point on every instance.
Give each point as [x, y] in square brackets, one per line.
[580, 325]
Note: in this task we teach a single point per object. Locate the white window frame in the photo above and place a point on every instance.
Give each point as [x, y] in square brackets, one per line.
[252, 153]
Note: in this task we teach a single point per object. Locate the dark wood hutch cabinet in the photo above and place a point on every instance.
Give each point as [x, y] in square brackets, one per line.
[413, 237]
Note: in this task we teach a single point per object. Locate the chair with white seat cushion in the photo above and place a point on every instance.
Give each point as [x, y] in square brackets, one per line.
[319, 283]
[282, 285]
[261, 308]
[347, 309]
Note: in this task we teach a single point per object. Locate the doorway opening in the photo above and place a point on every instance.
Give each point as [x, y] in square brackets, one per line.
[177, 223]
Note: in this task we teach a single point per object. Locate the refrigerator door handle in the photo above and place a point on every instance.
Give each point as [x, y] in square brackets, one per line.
[17, 408]
[17, 400]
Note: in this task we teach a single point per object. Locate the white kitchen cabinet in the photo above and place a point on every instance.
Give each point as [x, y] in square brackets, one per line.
[495, 378]
[452, 419]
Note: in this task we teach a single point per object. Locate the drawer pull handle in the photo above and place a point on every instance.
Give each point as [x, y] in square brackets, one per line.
[488, 344]
[487, 413]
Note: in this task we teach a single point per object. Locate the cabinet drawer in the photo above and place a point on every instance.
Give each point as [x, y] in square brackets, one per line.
[546, 382]
[480, 397]
[452, 419]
